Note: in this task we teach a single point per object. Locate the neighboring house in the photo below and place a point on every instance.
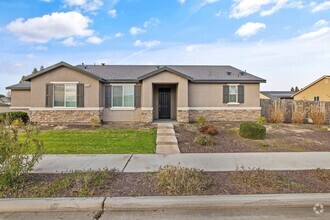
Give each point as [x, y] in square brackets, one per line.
[273, 95]
[75, 94]
[318, 90]
[5, 101]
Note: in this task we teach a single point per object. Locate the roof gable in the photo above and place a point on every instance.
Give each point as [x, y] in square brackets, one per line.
[61, 64]
[164, 69]
[312, 84]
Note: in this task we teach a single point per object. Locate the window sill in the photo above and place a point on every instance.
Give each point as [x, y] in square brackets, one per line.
[122, 108]
[233, 103]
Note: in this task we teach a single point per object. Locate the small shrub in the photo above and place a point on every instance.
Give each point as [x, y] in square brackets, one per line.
[277, 116]
[252, 130]
[317, 115]
[17, 155]
[204, 140]
[95, 122]
[298, 117]
[174, 180]
[261, 120]
[208, 129]
[200, 120]
[12, 116]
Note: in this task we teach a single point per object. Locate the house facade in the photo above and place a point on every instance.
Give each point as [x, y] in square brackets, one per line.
[318, 90]
[63, 93]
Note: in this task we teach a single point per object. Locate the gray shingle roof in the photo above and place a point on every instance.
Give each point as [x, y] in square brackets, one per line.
[278, 94]
[194, 72]
[25, 85]
[135, 73]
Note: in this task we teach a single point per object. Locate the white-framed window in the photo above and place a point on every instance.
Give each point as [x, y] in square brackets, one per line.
[233, 94]
[65, 95]
[122, 96]
[316, 98]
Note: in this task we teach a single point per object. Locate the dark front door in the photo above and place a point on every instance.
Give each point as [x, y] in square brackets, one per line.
[164, 105]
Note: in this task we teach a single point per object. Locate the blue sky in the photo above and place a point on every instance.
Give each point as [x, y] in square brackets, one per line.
[286, 42]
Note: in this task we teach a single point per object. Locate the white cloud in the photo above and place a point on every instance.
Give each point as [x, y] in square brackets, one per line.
[321, 23]
[250, 29]
[31, 56]
[315, 34]
[94, 40]
[320, 7]
[136, 30]
[147, 44]
[182, 1]
[191, 48]
[112, 13]
[207, 2]
[70, 42]
[57, 25]
[151, 22]
[40, 47]
[218, 14]
[243, 8]
[88, 5]
[119, 34]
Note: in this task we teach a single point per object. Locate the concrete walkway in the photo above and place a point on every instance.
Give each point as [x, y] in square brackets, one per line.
[206, 162]
[166, 140]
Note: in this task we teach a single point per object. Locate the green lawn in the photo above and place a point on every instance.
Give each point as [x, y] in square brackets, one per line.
[100, 141]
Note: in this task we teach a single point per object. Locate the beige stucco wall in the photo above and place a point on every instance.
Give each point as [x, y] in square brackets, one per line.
[121, 115]
[156, 100]
[211, 95]
[165, 78]
[20, 98]
[64, 74]
[321, 89]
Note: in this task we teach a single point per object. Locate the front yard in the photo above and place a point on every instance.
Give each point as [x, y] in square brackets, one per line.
[99, 141]
[279, 138]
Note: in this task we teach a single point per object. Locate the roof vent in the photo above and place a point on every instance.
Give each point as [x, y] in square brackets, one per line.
[82, 64]
[85, 67]
[158, 67]
[242, 73]
[103, 64]
[228, 73]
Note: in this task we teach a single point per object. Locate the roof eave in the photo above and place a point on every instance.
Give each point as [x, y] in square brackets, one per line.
[165, 68]
[230, 81]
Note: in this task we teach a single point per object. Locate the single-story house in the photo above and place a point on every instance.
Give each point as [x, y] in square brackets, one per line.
[63, 93]
[274, 95]
[318, 90]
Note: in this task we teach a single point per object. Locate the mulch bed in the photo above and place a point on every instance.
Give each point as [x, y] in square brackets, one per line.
[279, 138]
[145, 184]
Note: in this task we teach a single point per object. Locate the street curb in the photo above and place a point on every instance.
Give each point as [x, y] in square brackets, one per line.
[216, 202]
[51, 204]
[95, 204]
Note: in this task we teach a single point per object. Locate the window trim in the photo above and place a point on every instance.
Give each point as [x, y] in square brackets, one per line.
[233, 103]
[123, 98]
[64, 83]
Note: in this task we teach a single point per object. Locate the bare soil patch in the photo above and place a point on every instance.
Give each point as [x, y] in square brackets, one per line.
[113, 184]
[279, 138]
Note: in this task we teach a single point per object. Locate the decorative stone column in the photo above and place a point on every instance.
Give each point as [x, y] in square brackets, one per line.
[146, 114]
[182, 114]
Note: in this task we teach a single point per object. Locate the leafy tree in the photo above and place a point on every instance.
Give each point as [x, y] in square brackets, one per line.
[1, 96]
[296, 89]
[292, 89]
[41, 68]
[34, 70]
[18, 152]
[22, 79]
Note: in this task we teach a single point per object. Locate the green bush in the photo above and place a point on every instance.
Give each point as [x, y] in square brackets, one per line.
[200, 120]
[175, 180]
[12, 116]
[204, 140]
[261, 120]
[14, 157]
[252, 130]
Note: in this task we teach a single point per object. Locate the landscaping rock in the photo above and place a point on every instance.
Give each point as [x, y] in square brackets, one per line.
[60, 127]
[308, 121]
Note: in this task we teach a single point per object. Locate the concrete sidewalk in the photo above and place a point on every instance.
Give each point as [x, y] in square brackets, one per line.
[206, 162]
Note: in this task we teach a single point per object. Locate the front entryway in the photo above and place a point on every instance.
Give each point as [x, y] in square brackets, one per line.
[164, 105]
